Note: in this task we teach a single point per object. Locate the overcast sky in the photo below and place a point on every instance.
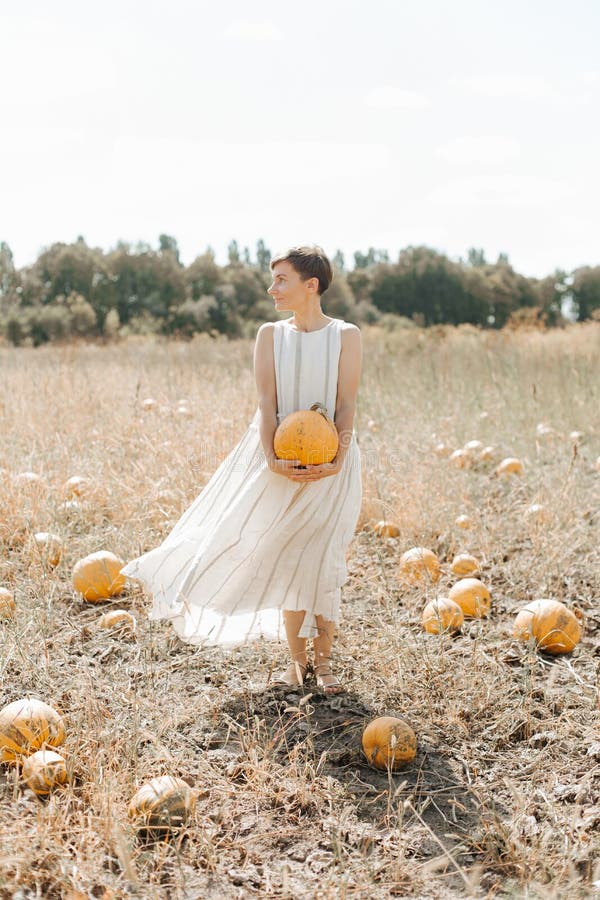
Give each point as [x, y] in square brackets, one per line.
[340, 122]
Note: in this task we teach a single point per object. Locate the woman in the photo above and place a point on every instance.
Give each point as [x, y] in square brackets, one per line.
[266, 539]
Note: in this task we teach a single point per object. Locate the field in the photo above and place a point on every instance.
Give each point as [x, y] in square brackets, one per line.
[503, 799]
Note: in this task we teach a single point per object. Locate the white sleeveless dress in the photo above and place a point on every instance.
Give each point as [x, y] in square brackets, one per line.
[254, 543]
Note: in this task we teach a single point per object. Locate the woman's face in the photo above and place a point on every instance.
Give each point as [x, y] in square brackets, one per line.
[288, 290]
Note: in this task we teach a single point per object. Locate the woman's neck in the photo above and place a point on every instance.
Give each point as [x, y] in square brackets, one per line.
[310, 320]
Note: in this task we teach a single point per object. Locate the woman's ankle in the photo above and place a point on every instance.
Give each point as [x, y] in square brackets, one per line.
[300, 659]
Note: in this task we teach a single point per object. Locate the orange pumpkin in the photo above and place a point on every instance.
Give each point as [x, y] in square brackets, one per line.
[77, 486]
[118, 618]
[464, 564]
[386, 529]
[162, 805]
[550, 623]
[460, 458]
[98, 576]
[419, 565]
[536, 512]
[7, 604]
[487, 454]
[472, 596]
[442, 614]
[43, 770]
[308, 435]
[510, 466]
[473, 447]
[26, 725]
[389, 743]
[49, 546]
[463, 522]
[442, 449]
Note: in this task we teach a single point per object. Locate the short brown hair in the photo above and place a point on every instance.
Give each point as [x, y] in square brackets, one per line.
[309, 262]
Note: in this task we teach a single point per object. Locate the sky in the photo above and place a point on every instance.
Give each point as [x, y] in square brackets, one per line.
[347, 124]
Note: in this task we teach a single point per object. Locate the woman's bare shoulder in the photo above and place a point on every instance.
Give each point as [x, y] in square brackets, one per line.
[266, 328]
[265, 334]
[350, 332]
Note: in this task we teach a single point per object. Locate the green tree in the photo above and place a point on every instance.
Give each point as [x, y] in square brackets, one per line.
[8, 274]
[338, 261]
[585, 291]
[338, 299]
[168, 244]
[476, 257]
[263, 256]
[203, 275]
[148, 282]
[233, 253]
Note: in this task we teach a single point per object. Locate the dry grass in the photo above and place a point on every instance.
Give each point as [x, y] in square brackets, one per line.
[504, 796]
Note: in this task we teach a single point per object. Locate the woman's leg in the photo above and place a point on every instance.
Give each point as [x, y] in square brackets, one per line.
[322, 646]
[293, 620]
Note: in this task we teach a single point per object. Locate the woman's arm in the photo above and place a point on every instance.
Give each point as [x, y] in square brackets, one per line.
[345, 406]
[264, 374]
[348, 381]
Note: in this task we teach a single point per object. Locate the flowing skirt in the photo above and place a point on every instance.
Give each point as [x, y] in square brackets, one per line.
[251, 545]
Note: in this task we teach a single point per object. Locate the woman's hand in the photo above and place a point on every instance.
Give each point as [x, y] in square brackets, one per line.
[314, 473]
[291, 468]
[283, 467]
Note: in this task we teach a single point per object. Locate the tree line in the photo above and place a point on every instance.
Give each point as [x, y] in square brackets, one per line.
[74, 290]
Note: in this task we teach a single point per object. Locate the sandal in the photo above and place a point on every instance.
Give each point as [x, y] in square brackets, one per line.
[293, 676]
[327, 680]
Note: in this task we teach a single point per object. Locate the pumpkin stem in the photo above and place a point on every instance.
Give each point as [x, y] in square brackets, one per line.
[318, 407]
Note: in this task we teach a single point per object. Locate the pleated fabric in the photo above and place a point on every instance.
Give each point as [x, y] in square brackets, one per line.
[253, 543]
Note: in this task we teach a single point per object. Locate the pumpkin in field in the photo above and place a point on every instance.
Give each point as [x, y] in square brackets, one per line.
[464, 564]
[442, 614]
[536, 512]
[442, 449]
[487, 454]
[550, 623]
[463, 522]
[49, 547]
[473, 447]
[98, 576]
[386, 529]
[7, 604]
[77, 486]
[510, 466]
[597, 464]
[419, 565]
[308, 435]
[148, 404]
[43, 770]
[389, 743]
[118, 618]
[26, 725]
[472, 596]
[460, 458]
[161, 805]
